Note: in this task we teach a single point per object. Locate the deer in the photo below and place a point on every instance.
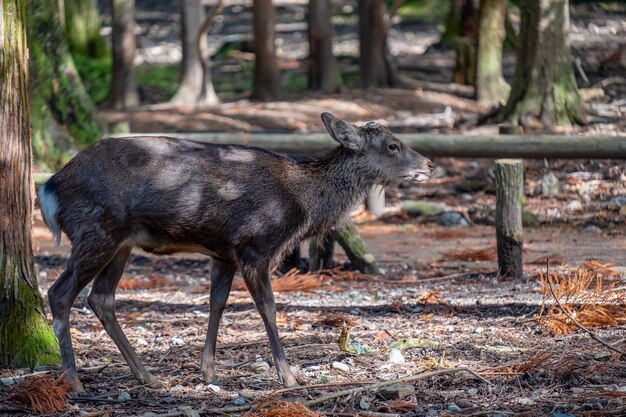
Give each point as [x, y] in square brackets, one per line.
[243, 206]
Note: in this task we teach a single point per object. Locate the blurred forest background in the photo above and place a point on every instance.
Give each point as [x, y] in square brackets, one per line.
[255, 66]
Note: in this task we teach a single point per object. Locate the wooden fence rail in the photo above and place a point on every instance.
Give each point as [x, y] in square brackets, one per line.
[496, 146]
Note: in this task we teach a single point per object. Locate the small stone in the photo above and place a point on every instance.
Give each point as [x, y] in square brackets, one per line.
[259, 366]
[478, 330]
[574, 205]
[525, 401]
[431, 413]
[452, 218]
[142, 342]
[558, 414]
[239, 401]
[199, 387]
[363, 404]
[177, 341]
[620, 200]
[7, 381]
[464, 403]
[123, 396]
[500, 414]
[550, 184]
[342, 367]
[592, 229]
[169, 400]
[140, 329]
[472, 392]
[214, 388]
[453, 408]
[395, 356]
[188, 411]
[201, 314]
[392, 392]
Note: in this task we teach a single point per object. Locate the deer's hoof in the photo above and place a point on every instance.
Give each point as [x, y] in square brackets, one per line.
[152, 382]
[77, 388]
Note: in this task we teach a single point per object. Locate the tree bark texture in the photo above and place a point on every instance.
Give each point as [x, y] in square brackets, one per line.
[196, 86]
[26, 339]
[266, 71]
[377, 68]
[82, 27]
[324, 75]
[490, 84]
[63, 115]
[544, 91]
[123, 93]
[355, 248]
[465, 44]
[509, 176]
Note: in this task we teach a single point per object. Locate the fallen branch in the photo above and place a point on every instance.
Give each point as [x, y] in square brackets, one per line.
[580, 326]
[377, 385]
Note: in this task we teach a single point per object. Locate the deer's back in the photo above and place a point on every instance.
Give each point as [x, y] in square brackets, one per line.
[167, 194]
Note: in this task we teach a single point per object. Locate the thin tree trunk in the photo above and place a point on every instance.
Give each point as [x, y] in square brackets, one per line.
[544, 91]
[266, 72]
[63, 115]
[375, 61]
[465, 44]
[490, 85]
[82, 26]
[26, 339]
[123, 93]
[196, 86]
[323, 71]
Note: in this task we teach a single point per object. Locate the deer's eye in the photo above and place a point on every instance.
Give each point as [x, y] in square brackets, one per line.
[393, 147]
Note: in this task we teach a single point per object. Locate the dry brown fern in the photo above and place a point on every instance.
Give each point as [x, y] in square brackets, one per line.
[585, 296]
[41, 394]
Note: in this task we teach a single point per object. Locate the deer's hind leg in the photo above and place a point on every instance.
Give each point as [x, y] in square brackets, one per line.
[86, 261]
[102, 301]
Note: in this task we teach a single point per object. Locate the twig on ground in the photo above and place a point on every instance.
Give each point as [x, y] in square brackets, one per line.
[377, 385]
[580, 326]
[306, 387]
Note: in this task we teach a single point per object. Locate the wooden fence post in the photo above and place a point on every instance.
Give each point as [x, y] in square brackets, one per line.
[509, 174]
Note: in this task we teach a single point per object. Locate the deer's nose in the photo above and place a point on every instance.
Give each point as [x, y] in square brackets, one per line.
[430, 165]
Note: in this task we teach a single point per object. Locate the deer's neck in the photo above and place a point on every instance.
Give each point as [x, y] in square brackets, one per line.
[336, 184]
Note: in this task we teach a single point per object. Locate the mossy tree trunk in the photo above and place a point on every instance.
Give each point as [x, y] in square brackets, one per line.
[266, 71]
[490, 84]
[377, 67]
[324, 73]
[123, 94]
[82, 26]
[544, 91]
[63, 115]
[26, 339]
[196, 86]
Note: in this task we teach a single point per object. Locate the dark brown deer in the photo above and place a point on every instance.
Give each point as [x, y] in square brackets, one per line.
[245, 207]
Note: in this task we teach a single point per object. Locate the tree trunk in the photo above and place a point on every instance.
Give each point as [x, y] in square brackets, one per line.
[266, 72]
[375, 61]
[63, 116]
[355, 248]
[82, 27]
[123, 93]
[323, 71]
[465, 44]
[544, 91]
[196, 86]
[490, 85]
[26, 339]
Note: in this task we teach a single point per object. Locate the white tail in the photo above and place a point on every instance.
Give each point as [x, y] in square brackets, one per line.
[49, 207]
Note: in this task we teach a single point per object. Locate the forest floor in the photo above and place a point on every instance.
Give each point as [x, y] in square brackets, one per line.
[439, 286]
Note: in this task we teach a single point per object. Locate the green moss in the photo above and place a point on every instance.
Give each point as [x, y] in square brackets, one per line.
[39, 348]
[96, 75]
[427, 10]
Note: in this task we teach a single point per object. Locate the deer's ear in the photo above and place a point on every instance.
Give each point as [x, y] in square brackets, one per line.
[343, 132]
